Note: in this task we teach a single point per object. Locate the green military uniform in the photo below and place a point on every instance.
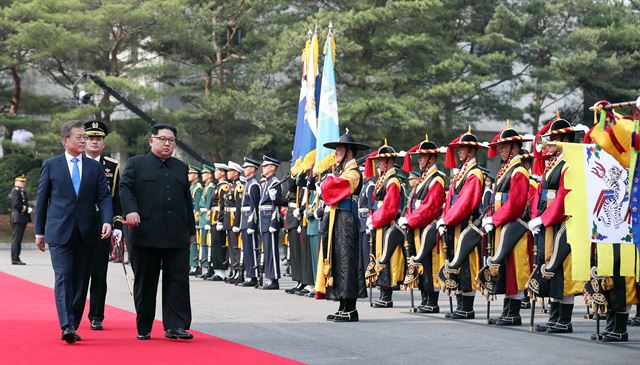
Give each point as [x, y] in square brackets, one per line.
[196, 190]
[203, 240]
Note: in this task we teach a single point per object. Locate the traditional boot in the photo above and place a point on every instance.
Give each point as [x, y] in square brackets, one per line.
[466, 311]
[619, 332]
[350, 314]
[432, 303]
[505, 312]
[331, 317]
[513, 314]
[424, 294]
[564, 320]
[240, 278]
[385, 300]
[458, 306]
[554, 313]
[526, 303]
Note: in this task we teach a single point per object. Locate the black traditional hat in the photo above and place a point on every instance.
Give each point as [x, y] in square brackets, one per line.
[346, 140]
[385, 151]
[559, 126]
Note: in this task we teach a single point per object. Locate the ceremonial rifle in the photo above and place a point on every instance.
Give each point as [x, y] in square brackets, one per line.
[120, 253]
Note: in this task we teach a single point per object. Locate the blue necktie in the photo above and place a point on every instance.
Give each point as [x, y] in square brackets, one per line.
[75, 175]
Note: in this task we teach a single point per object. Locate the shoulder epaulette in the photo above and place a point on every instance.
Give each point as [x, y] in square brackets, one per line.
[107, 158]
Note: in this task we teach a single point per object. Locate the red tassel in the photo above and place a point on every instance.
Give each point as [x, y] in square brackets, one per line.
[369, 171]
[406, 166]
[493, 148]
[450, 157]
[538, 156]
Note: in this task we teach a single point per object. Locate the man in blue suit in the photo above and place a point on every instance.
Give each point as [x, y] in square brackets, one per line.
[73, 213]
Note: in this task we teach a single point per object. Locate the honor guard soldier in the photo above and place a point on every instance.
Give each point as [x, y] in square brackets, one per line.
[232, 206]
[270, 223]
[196, 194]
[293, 227]
[203, 239]
[424, 208]
[249, 223]
[507, 268]
[365, 202]
[343, 267]
[20, 216]
[388, 196]
[527, 161]
[553, 277]
[459, 225]
[96, 132]
[218, 259]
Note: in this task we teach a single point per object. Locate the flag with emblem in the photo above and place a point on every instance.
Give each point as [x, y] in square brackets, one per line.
[597, 214]
[304, 145]
[328, 125]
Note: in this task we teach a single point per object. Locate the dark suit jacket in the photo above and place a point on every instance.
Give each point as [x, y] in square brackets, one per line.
[159, 192]
[19, 206]
[58, 209]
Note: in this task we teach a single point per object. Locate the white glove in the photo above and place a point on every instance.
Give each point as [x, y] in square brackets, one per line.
[299, 229]
[442, 230]
[440, 223]
[367, 230]
[29, 210]
[272, 230]
[273, 193]
[402, 222]
[207, 227]
[117, 234]
[219, 226]
[250, 231]
[534, 225]
[250, 218]
[488, 227]
[296, 213]
[318, 189]
[203, 210]
[235, 229]
[369, 221]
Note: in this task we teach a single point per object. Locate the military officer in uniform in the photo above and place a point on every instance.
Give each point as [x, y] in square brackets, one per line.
[270, 223]
[232, 206]
[20, 216]
[196, 194]
[218, 259]
[96, 132]
[203, 239]
[249, 223]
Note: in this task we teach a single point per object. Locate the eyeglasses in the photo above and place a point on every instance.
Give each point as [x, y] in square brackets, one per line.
[164, 139]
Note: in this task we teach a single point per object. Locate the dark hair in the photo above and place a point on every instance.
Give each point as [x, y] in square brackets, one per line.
[65, 131]
[158, 127]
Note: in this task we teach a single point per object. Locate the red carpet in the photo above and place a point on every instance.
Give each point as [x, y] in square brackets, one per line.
[30, 334]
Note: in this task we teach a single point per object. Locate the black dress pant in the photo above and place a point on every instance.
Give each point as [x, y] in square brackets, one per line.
[16, 240]
[176, 303]
[98, 285]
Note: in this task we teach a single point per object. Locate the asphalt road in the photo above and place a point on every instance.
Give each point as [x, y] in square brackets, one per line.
[295, 327]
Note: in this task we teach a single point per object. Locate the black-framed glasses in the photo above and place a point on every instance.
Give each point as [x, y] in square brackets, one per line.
[164, 139]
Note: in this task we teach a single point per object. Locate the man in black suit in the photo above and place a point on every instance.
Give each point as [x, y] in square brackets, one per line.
[20, 216]
[73, 213]
[156, 201]
[96, 132]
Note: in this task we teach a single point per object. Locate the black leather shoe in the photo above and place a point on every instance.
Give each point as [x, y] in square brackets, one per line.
[216, 278]
[273, 285]
[144, 336]
[333, 316]
[347, 317]
[295, 289]
[382, 304]
[69, 335]
[303, 292]
[17, 263]
[249, 283]
[178, 333]
[96, 325]
[78, 338]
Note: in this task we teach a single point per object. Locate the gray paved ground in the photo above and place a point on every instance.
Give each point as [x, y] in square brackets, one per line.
[295, 327]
